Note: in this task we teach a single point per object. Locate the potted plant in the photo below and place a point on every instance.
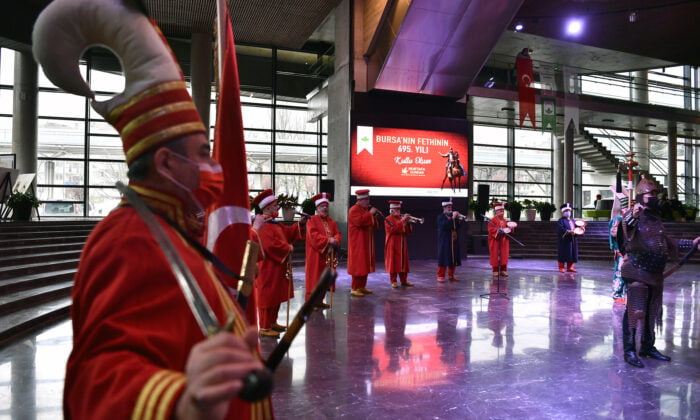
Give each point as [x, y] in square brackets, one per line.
[308, 206]
[479, 210]
[22, 204]
[530, 211]
[691, 212]
[514, 209]
[287, 203]
[545, 209]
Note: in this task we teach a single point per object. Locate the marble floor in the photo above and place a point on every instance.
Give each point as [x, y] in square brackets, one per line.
[551, 350]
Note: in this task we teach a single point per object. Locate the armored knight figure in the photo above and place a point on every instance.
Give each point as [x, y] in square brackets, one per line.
[647, 248]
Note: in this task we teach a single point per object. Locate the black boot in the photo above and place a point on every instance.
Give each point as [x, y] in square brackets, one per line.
[628, 344]
[652, 353]
[648, 340]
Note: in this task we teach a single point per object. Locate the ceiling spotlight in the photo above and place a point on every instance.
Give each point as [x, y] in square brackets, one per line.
[574, 27]
[519, 27]
[633, 17]
[489, 83]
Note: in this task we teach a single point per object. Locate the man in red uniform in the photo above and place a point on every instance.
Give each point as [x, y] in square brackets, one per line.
[395, 246]
[138, 351]
[362, 221]
[274, 284]
[499, 244]
[322, 243]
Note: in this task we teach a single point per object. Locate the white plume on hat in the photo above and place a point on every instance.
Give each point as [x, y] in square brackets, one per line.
[67, 28]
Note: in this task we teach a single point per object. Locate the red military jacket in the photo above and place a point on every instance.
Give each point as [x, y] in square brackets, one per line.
[319, 229]
[499, 244]
[361, 253]
[132, 328]
[271, 285]
[395, 245]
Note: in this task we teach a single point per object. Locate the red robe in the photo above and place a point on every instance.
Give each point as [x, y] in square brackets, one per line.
[361, 256]
[319, 229]
[395, 245]
[132, 328]
[271, 286]
[498, 242]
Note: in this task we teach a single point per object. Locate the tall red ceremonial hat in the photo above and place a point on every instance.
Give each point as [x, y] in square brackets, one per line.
[362, 194]
[498, 206]
[263, 199]
[155, 106]
[321, 198]
[394, 204]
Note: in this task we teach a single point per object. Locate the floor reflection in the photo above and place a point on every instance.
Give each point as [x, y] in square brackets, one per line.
[551, 349]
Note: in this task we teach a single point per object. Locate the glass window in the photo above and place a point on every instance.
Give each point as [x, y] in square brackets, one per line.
[102, 201]
[256, 117]
[60, 194]
[258, 136]
[296, 168]
[490, 155]
[533, 139]
[294, 120]
[483, 173]
[61, 138]
[543, 191]
[107, 173]
[259, 182]
[7, 66]
[59, 104]
[106, 82]
[297, 138]
[607, 85]
[102, 147]
[527, 157]
[60, 172]
[499, 189]
[5, 134]
[6, 99]
[303, 186]
[484, 134]
[532, 175]
[259, 157]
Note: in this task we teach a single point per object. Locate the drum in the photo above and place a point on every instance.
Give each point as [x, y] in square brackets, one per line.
[580, 223]
[579, 230]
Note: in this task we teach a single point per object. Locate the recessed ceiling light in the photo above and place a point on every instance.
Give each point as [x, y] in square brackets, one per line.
[574, 27]
[608, 120]
[649, 125]
[519, 27]
[688, 129]
[507, 108]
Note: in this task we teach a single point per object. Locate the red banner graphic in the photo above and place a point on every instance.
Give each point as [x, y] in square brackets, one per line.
[395, 161]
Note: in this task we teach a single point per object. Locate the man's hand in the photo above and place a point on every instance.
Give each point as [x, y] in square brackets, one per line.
[373, 210]
[259, 222]
[455, 214]
[696, 242]
[215, 371]
[333, 242]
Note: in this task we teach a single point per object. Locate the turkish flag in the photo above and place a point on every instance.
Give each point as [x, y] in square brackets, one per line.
[526, 93]
[228, 221]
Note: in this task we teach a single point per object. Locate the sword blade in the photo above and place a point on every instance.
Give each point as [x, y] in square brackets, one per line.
[198, 304]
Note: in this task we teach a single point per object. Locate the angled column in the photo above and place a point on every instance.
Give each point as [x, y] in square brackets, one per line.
[640, 94]
[672, 162]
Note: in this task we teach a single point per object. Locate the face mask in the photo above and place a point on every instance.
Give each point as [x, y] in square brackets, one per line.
[567, 214]
[211, 183]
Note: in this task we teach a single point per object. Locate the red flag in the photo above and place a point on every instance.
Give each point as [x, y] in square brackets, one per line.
[228, 221]
[526, 93]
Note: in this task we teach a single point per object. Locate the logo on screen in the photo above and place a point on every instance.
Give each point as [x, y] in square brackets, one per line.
[365, 139]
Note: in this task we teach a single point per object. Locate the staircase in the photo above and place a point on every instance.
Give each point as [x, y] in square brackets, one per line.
[540, 239]
[594, 153]
[37, 263]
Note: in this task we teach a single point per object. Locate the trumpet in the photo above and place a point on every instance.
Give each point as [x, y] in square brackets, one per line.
[412, 219]
[302, 214]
